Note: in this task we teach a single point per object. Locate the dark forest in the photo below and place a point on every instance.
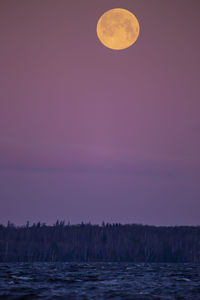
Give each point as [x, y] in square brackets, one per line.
[108, 242]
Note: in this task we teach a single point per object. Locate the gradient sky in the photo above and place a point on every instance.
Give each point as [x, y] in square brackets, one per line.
[92, 134]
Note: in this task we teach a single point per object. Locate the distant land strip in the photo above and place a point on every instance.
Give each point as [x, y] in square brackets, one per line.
[94, 243]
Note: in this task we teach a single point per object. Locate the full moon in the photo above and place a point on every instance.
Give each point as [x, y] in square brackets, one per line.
[118, 29]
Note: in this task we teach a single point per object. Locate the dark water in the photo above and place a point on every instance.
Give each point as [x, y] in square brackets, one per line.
[99, 281]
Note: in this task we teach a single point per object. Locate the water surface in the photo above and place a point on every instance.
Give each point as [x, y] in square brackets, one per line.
[99, 281]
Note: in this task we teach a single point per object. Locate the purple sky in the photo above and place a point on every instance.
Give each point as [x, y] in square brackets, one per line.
[92, 134]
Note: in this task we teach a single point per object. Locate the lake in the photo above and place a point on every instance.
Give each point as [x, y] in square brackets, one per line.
[135, 281]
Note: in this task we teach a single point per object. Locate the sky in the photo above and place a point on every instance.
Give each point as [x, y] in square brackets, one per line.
[93, 134]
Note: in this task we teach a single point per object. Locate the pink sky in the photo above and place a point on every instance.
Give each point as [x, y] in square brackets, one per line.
[91, 134]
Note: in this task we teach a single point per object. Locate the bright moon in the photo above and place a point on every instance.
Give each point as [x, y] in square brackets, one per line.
[118, 29]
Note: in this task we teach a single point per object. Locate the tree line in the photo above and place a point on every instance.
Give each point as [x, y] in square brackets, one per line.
[108, 242]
